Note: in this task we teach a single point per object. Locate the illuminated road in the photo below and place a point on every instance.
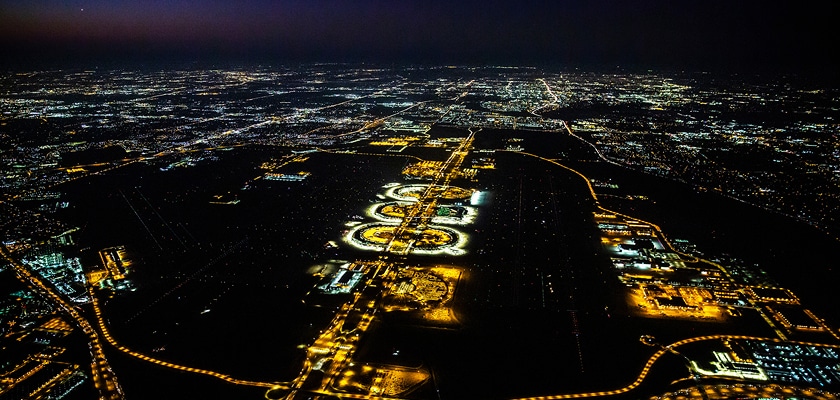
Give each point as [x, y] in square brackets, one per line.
[598, 152]
[334, 348]
[664, 239]
[659, 353]
[661, 235]
[377, 122]
[191, 146]
[553, 102]
[420, 213]
[104, 378]
[669, 348]
[383, 91]
[336, 344]
[97, 310]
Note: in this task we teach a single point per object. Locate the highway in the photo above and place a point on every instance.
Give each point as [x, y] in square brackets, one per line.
[113, 342]
[104, 378]
[336, 344]
[664, 239]
[194, 144]
[423, 209]
[671, 348]
[552, 103]
[598, 152]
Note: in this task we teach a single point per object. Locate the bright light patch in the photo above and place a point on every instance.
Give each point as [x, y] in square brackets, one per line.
[478, 198]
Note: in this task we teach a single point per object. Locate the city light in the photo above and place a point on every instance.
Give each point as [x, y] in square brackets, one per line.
[384, 232]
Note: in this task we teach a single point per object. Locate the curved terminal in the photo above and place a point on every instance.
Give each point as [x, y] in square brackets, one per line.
[414, 192]
[396, 211]
[379, 236]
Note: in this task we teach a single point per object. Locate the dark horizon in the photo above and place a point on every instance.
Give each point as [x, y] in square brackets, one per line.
[650, 34]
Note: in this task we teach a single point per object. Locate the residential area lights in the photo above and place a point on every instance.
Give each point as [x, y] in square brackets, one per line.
[420, 219]
[618, 224]
[104, 378]
[332, 351]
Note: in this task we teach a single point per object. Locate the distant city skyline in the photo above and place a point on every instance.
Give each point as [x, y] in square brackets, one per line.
[741, 35]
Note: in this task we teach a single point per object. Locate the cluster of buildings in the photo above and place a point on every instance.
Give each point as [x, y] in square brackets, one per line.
[771, 144]
[782, 362]
[662, 282]
[686, 127]
[37, 340]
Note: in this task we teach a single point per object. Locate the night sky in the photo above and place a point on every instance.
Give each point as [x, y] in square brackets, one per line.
[730, 34]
